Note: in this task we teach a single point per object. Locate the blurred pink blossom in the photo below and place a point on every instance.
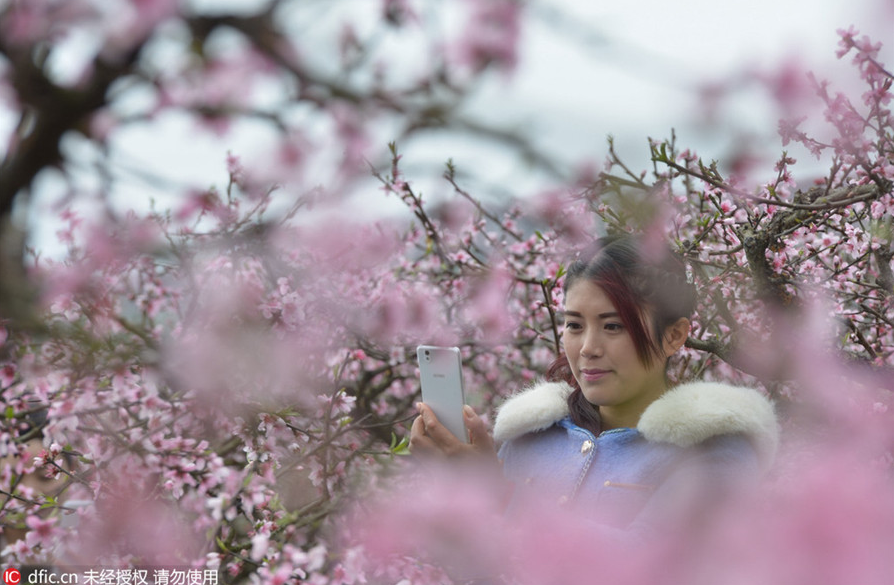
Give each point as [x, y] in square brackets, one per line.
[491, 35]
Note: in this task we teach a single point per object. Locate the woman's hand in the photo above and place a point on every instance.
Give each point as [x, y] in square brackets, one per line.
[429, 437]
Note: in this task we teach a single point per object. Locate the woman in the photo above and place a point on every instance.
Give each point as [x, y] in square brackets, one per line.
[605, 434]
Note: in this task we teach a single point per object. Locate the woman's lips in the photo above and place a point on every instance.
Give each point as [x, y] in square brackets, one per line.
[593, 374]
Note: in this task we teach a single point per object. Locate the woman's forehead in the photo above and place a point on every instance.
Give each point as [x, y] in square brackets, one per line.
[587, 295]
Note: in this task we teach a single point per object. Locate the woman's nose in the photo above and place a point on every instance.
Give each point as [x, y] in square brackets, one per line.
[592, 347]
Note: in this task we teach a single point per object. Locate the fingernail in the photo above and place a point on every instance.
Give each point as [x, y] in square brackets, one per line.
[419, 407]
[467, 410]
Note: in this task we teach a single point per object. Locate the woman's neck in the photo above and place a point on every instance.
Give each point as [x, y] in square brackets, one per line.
[627, 415]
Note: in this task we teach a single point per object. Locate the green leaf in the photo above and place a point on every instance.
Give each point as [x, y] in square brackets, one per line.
[401, 447]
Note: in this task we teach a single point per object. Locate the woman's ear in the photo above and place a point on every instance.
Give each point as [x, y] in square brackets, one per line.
[676, 335]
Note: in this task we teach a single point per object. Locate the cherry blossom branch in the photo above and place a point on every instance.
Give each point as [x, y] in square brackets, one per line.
[824, 200]
[547, 301]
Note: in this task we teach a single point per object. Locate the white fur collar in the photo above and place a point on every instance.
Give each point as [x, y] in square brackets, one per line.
[685, 415]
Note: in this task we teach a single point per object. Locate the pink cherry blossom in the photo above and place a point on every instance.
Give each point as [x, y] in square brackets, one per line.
[491, 35]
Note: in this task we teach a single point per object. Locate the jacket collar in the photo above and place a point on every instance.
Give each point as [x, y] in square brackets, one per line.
[685, 415]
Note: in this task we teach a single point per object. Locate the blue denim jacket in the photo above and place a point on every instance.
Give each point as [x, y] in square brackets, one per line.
[693, 441]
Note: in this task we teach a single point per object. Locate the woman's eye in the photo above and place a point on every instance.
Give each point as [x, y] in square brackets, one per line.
[614, 327]
[572, 325]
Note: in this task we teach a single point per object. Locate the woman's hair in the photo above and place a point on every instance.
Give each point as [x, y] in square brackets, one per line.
[647, 287]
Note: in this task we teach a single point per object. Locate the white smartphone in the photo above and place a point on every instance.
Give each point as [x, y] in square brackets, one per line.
[440, 369]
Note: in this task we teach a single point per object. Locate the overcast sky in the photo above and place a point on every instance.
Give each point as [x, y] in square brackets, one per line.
[647, 59]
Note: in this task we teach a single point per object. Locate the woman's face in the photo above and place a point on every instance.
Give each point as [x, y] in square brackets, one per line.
[603, 358]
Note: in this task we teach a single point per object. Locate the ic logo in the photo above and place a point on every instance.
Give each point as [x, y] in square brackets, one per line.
[12, 576]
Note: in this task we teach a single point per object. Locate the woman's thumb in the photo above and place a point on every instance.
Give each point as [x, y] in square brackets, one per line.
[475, 426]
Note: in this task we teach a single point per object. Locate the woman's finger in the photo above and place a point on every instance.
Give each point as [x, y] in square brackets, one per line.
[436, 431]
[478, 435]
[420, 444]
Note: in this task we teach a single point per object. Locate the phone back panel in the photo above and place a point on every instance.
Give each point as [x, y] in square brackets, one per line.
[440, 370]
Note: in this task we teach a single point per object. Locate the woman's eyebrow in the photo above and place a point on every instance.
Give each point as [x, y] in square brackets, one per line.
[606, 315]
